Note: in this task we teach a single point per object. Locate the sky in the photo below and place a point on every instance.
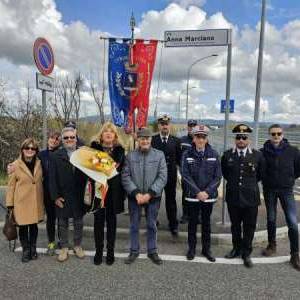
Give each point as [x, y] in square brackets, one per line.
[73, 28]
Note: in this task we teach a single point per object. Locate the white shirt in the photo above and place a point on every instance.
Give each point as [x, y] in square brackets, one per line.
[162, 137]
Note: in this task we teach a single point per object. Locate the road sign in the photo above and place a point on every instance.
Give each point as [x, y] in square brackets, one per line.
[44, 82]
[43, 56]
[192, 38]
[223, 106]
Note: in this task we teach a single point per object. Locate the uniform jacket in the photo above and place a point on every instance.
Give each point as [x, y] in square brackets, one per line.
[242, 177]
[144, 172]
[282, 165]
[116, 194]
[25, 193]
[186, 142]
[171, 151]
[67, 182]
[201, 173]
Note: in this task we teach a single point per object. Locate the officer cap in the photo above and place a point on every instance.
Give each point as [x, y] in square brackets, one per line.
[144, 132]
[163, 119]
[241, 129]
[71, 124]
[192, 122]
[200, 129]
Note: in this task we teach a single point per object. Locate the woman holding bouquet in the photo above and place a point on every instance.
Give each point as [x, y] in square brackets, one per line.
[107, 140]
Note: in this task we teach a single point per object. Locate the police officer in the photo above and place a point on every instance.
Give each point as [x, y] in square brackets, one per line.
[186, 144]
[170, 145]
[201, 172]
[242, 168]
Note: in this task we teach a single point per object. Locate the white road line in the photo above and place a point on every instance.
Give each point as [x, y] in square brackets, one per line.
[180, 258]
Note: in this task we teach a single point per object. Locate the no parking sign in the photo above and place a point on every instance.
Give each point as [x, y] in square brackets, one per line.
[43, 56]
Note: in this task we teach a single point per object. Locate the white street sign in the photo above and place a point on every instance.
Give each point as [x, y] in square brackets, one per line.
[198, 38]
[44, 82]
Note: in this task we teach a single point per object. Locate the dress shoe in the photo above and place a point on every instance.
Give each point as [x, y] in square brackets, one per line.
[26, 257]
[248, 262]
[131, 258]
[270, 250]
[155, 258]
[190, 255]
[98, 258]
[295, 261]
[33, 252]
[110, 257]
[233, 253]
[209, 256]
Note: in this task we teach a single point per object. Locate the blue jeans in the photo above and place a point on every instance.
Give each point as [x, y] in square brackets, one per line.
[288, 204]
[135, 217]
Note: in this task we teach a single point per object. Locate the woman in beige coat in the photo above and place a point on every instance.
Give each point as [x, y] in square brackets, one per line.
[25, 196]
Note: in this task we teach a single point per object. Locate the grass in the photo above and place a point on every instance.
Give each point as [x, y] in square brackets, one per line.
[3, 179]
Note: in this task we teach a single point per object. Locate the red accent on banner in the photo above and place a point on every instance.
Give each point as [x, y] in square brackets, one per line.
[143, 64]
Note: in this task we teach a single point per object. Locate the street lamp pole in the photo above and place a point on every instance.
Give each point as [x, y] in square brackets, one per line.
[179, 100]
[188, 79]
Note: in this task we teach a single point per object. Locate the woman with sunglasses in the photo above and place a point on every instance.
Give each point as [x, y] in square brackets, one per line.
[25, 196]
[107, 140]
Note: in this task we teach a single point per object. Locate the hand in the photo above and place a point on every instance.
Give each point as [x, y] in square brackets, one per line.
[60, 202]
[139, 198]
[10, 208]
[146, 198]
[202, 196]
[11, 168]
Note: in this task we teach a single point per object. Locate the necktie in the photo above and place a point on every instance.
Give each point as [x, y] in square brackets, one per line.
[164, 140]
[242, 155]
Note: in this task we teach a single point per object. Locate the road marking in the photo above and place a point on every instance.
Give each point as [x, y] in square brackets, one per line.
[181, 258]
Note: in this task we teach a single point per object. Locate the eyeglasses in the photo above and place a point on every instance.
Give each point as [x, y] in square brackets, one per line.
[30, 148]
[276, 133]
[71, 137]
[241, 137]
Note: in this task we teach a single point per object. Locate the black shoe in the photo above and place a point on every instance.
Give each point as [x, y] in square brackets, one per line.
[295, 261]
[184, 219]
[33, 252]
[110, 257]
[131, 258]
[155, 258]
[248, 262]
[233, 253]
[26, 257]
[190, 254]
[209, 256]
[98, 258]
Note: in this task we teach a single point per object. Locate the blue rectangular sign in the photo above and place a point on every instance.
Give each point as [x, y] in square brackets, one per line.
[231, 106]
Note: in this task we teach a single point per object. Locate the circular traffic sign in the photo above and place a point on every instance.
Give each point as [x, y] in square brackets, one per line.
[43, 56]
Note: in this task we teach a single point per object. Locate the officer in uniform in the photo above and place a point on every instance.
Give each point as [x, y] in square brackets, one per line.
[186, 144]
[170, 145]
[242, 168]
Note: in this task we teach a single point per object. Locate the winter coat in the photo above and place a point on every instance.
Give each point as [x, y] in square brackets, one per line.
[282, 165]
[116, 194]
[67, 182]
[201, 173]
[25, 193]
[144, 172]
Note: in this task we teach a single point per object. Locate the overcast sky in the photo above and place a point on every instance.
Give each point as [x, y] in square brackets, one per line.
[73, 29]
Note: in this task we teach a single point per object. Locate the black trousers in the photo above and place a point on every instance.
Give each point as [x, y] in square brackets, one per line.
[100, 217]
[51, 220]
[28, 234]
[183, 201]
[205, 209]
[171, 205]
[243, 217]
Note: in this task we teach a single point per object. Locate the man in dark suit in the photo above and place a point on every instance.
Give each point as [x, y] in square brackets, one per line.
[242, 168]
[170, 145]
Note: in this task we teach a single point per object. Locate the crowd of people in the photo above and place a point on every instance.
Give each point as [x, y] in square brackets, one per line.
[47, 180]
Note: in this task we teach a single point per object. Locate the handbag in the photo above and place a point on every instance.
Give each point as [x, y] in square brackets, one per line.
[10, 226]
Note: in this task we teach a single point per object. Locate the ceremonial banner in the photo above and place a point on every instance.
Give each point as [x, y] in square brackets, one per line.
[130, 71]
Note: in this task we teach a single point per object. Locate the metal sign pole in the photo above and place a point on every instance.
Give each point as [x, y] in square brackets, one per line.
[44, 109]
[226, 124]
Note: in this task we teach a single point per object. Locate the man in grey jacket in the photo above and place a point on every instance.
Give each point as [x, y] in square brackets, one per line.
[144, 177]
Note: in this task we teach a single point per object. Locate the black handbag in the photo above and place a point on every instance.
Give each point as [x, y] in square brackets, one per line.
[10, 226]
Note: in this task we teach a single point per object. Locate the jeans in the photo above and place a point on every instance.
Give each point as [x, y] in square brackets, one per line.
[288, 204]
[135, 217]
[63, 229]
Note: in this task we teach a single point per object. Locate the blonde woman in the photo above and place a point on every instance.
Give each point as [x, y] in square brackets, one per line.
[107, 140]
[25, 196]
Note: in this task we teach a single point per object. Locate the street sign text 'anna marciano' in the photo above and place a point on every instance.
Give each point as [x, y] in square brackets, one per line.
[197, 38]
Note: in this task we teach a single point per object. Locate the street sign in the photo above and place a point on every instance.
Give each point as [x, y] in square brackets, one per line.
[198, 38]
[44, 82]
[43, 56]
[223, 106]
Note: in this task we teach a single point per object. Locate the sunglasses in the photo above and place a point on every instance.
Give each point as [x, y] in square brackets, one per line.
[241, 137]
[71, 137]
[276, 133]
[30, 148]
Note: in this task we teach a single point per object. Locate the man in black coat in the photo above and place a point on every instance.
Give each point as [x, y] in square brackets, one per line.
[170, 145]
[242, 168]
[282, 168]
[67, 186]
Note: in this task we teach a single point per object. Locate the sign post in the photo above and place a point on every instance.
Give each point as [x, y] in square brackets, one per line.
[44, 60]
